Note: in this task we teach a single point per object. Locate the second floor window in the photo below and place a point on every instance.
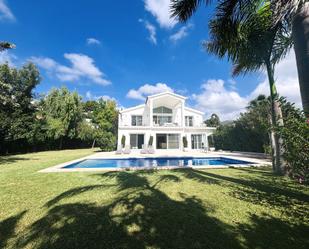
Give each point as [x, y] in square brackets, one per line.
[161, 120]
[189, 120]
[137, 120]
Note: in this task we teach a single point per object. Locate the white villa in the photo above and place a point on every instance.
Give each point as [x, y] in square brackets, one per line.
[166, 119]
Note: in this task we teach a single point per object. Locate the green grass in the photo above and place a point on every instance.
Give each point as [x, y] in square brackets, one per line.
[219, 208]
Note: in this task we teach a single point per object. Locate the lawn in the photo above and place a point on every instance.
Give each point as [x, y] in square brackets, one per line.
[219, 208]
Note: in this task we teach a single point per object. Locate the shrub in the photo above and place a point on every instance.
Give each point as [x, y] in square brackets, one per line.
[150, 142]
[295, 135]
[123, 141]
[107, 141]
[185, 142]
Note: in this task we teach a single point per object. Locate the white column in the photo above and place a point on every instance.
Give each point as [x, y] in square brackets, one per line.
[189, 140]
[182, 113]
[151, 112]
[206, 142]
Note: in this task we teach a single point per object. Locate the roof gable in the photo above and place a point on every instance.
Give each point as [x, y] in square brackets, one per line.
[163, 94]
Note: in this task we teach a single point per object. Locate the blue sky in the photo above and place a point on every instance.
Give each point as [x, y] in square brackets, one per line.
[128, 50]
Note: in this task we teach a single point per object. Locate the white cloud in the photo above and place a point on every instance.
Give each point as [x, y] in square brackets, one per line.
[286, 80]
[93, 41]
[227, 103]
[181, 33]
[215, 98]
[82, 66]
[152, 31]
[160, 9]
[147, 89]
[91, 96]
[5, 12]
[7, 57]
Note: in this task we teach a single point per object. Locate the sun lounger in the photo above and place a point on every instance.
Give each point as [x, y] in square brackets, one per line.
[127, 150]
[151, 150]
[118, 151]
[144, 149]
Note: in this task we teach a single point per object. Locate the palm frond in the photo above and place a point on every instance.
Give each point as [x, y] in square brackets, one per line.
[184, 9]
[285, 9]
[6, 45]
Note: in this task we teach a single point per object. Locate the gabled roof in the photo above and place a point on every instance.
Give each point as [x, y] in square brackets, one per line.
[164, 94]
[132, 108]
[194, 110]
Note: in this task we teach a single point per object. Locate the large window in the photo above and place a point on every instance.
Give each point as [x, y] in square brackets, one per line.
[162, 115]
[167, 141]
[161, 120]
[136, 141]
[173, 141]
[162, 110]
[189, 120]
[137, 120]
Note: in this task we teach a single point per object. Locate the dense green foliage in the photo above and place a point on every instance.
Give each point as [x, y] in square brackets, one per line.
[221, 208]
[55, 121]
[295, 134]
[105, 118]
[251, 132]
[17, 112]
[213, 121]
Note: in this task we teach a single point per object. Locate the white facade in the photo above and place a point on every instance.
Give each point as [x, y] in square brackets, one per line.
[165, 117]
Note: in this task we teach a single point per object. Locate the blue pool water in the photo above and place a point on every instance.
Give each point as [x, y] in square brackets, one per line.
[158, 162]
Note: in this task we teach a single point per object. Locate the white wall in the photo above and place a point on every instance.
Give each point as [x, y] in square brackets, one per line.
[197, 118]
[125, 117]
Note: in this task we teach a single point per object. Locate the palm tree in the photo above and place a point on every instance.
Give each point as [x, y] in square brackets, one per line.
[293, 14]
[6, 45]
[248, 38]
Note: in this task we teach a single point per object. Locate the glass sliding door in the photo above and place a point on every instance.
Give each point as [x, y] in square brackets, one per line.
[197, 141]
[136, 141]
[173, 141]
[161, 141]
[167, 141]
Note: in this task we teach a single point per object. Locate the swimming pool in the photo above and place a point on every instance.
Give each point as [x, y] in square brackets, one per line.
[155, 162]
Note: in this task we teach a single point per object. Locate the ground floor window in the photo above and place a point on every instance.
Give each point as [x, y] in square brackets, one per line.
[136, 141]
[167, 141]
[197, 141]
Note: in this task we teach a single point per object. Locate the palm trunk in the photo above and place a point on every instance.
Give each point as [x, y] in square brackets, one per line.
[300, 33]
[276, 119]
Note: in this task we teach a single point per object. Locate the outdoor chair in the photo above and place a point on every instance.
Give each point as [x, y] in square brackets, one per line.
[144, 149]
[119, 150]
[151, 150]
[127, 149]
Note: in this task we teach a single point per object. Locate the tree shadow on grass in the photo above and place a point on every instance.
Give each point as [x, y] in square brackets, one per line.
[7, 228]
[264, 192]
[11, 159]
[269, 232]
[142, 216]
[73, 192]
[197, 176]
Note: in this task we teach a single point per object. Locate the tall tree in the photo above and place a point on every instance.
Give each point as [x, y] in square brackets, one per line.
[62, 111]
[105, 117]
[17, 111]
[294, 14]
[246, 35]
[213, 121]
